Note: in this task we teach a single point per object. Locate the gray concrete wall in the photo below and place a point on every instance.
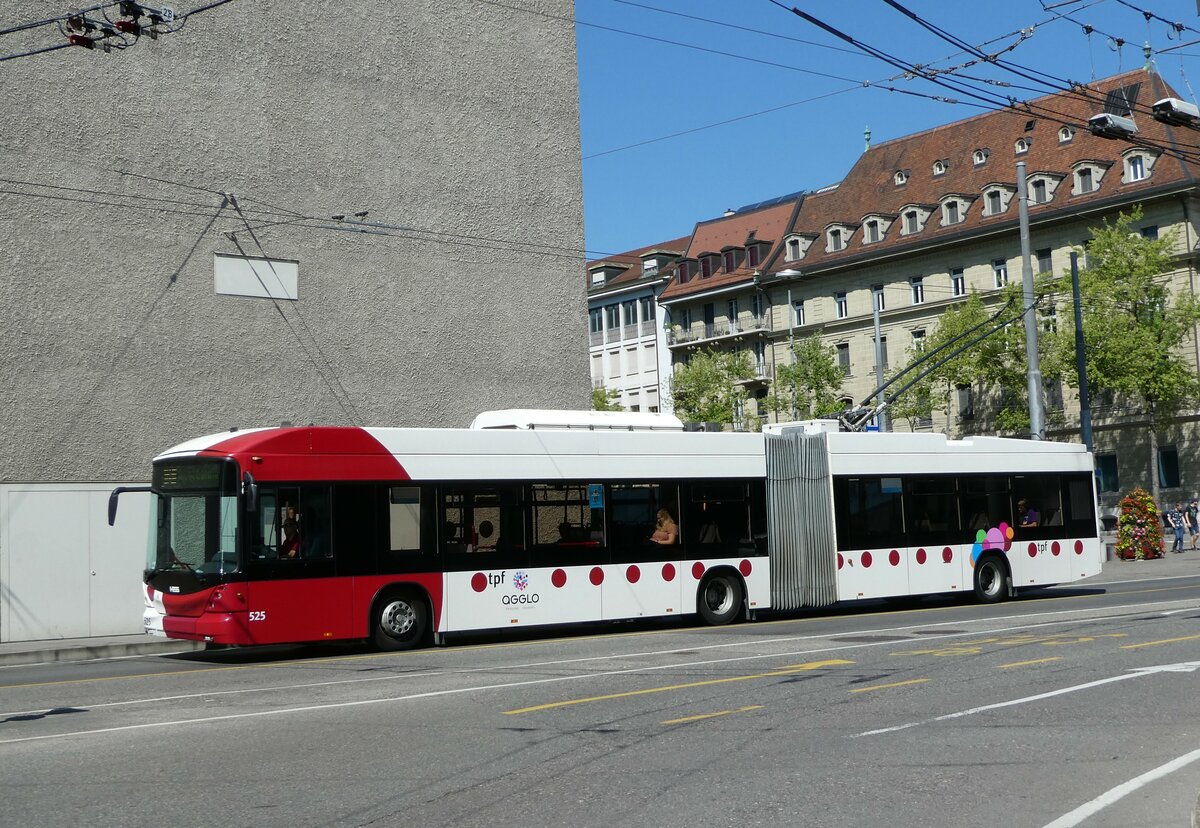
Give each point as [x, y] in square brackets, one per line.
[450, 115]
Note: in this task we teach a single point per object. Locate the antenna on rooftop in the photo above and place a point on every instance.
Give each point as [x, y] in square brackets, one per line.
[867, 137]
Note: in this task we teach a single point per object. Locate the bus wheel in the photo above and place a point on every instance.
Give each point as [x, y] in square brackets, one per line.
[400, 621]
[990, 575]
[720, 598]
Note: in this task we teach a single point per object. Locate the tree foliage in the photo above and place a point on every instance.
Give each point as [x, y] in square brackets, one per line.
[708, 389]
[605, 399]
[813, 376]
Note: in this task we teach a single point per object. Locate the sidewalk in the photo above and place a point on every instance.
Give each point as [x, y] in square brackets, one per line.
[115, 646]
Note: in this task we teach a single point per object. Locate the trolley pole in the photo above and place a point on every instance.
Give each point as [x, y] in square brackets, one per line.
[1037, 413]
[1085, 404]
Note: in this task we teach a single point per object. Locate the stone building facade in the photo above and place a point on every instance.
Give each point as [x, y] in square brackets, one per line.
[267, 215]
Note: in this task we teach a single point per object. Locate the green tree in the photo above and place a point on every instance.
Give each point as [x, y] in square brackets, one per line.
[605, 399]
[1132, 326]
[708, 388]
[809, 385]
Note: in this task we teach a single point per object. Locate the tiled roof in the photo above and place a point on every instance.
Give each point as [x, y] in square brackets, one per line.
[632, 260]
[768, 225]
[870, 188]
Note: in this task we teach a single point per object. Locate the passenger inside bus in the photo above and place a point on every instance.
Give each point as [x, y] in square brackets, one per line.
[665, 529]
[290, 548]
[1028, 515]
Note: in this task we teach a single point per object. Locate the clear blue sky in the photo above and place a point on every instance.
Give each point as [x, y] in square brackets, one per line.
[634, 89]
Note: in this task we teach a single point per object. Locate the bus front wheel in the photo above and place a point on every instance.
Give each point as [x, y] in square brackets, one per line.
[720, 598]
[990, 579]
[400, 620]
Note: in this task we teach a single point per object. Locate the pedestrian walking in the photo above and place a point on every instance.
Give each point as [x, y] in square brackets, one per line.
[1193, 520]
[1175, 519]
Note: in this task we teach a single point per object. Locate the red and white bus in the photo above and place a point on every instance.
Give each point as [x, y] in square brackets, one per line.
[405, 535]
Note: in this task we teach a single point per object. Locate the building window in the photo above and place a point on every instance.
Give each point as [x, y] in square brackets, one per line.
[797, 312]
[939, 167]
[950, 214]
[705, 267]
[999, 273]
[843, 309]
[647, 305]
[793, 249]
[629, 312]
[917, 283]
[900, 178]
[877, 297]
[872, 232]
[978, 157]
[595, 321]
[958, 282]
[752, 255]
[1022, 146]
[918, 341]
[994, 202]
[1083, 178]
[685, 318]
[910, 222]
[1038, 190]
[1044, 263]
[966, 403]
[612, 317]
[684, 275]
[731, 311]
[883, 357]
[1065, 134]
[1137, 168]
[1107, 477]
[756, 306]
[1168, 467]
[1150, 231]
[730, 261]
[843, 356]
[1049, 319]
[835, 240]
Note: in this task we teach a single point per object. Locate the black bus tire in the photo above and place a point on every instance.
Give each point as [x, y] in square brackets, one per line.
[399, 620]
[991, 579]
[720, 598]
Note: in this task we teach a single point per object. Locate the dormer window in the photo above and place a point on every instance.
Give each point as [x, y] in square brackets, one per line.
[793, 250]
[996, 198]
[939, 167]
[797, 245]
[912, 218]
[911, 222]
[1087, 176]
[871, 231]
[836, 242]
[649, 267]
[684, 272]
[951, 212]
[1042, 187]
[901, 178]
[1022, 146]
[752, 255]
[705, 267]
[979, 157]
[1065, 134]
[1139, 165]
[730, 260]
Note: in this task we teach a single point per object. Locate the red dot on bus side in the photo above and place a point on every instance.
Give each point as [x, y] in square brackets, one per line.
[894, 558]
[866, 560]
[697, 570]
[947, 555]
[1055, 547]
[1078, 547]
[1033, 550]
[633, 574]
[745, 568]
[479, 582]
[920, 556]
[596, 576]
[668, 572]
[840, 560]
[559, 578]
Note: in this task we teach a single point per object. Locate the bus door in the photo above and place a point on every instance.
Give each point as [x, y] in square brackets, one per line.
[568, 548]
[294, 593]
[647, 576]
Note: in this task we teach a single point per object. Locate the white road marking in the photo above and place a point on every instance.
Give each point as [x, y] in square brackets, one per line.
[1136, 672]
[1109, 797]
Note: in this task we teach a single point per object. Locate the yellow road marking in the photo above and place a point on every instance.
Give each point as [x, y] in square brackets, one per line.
[1034, 661]
[886, 686]
[1156, 643]
[687, 719]
[782, 671]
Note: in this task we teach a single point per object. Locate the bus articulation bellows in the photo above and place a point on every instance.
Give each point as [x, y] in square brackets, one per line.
[402, 536]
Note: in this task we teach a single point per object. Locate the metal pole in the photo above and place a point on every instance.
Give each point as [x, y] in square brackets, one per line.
[792, 347]
[1037, 412]
[1085, 404]
[881, 418]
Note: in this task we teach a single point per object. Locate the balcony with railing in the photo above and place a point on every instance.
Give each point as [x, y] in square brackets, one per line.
[716, 331]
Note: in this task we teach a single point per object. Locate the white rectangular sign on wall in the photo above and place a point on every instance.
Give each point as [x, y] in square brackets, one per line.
[254, 276]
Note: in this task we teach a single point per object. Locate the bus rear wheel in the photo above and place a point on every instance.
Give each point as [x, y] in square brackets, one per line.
[400, 620]
[990, 578]
[720, 598]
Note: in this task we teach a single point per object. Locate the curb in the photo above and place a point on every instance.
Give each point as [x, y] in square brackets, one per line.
[88, 652]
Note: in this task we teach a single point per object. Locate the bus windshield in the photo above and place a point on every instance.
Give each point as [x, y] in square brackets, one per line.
[193, 519]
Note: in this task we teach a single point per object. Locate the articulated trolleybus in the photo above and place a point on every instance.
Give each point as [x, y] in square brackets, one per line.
[404, 535]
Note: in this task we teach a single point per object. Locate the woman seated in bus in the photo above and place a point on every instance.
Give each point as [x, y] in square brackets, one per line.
[1028, 515]
[665, 530]
[290, 548]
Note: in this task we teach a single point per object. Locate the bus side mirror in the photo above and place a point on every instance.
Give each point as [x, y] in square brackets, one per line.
[250, 490]
[116, 493]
